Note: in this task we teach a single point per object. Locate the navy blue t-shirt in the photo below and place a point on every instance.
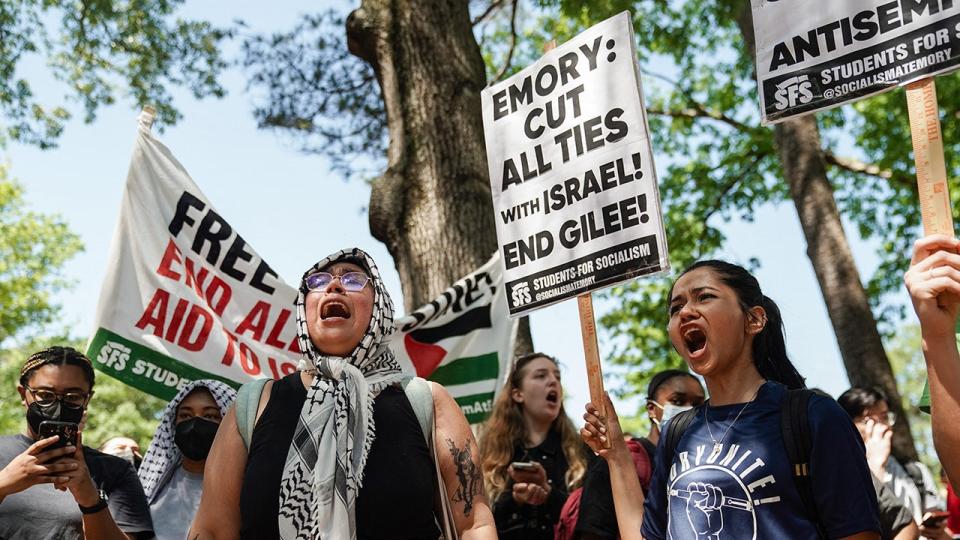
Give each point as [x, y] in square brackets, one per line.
[743, 487]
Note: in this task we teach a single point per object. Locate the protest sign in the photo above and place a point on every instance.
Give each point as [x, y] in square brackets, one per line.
[463, 340]
[185, 297]
[817, 54]
[571, 170]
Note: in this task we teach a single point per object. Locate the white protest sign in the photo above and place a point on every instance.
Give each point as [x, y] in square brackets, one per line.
[571, 170]
[817, 54]
[185, 297]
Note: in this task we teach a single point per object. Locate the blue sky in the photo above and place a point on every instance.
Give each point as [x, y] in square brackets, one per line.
[293, 210]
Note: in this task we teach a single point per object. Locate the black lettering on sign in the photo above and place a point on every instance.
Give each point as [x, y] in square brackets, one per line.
[224, 248]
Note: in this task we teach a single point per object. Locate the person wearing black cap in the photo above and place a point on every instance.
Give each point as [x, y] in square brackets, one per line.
[72, 492]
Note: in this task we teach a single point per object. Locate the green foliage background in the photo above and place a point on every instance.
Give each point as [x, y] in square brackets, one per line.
[33, 251]
[116, 409]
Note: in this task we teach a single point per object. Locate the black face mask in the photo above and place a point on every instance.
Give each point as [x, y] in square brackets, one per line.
[194, 437]
[57, 412]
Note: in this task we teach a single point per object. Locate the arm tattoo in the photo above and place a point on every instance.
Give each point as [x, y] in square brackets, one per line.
[468, 476]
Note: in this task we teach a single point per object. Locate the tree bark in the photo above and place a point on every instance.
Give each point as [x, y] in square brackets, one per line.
[432, 205]
[861, 347]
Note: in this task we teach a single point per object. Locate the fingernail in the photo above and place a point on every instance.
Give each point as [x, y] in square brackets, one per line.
[603, 429]
[602, 438]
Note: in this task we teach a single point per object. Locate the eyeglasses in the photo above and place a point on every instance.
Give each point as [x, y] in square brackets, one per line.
[351, 281]
[70, 399]
[889, 418]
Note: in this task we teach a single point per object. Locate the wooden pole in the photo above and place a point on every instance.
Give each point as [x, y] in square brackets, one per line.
[935, 208]
[591, 351]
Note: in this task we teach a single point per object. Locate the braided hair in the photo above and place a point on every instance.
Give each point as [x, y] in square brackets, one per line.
[57, 356]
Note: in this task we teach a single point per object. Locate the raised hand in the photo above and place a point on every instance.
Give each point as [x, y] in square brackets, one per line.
[933, 282]
[603, 434]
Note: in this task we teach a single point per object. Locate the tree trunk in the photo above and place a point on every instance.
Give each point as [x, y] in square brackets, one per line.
[801, 157]
[432, 205]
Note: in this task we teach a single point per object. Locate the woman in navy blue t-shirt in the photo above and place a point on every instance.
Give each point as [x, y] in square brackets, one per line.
[729, 476]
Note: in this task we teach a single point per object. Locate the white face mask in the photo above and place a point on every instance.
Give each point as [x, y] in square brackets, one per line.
[669, 411]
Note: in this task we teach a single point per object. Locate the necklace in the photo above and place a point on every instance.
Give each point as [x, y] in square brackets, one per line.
[717, 444]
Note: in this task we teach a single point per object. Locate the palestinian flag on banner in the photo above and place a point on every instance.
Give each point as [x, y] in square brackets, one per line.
[463, 340]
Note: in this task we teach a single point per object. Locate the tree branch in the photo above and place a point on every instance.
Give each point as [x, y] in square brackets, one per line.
[490, 9]
[718, 201]
[513, 42]
[869, 169]
[699, 111]
[856, 166]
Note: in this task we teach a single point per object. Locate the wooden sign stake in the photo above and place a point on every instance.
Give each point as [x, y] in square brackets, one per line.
[935, 208]
[591, 352]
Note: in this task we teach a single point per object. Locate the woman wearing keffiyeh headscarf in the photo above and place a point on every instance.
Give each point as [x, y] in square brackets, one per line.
[172, 470]
[337, 451]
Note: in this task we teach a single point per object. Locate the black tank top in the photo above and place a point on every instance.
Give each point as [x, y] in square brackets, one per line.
[396, 500]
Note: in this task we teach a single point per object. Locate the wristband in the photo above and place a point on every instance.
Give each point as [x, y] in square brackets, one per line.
[101, 504]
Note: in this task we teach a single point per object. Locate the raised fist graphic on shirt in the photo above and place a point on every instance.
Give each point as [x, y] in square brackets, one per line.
[704, 510]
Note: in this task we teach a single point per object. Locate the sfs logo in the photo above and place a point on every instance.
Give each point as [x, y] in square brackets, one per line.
[792, 91]
[114, 355]
[520, 293]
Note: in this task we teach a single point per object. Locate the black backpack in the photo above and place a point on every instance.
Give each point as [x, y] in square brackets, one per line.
[795, 428]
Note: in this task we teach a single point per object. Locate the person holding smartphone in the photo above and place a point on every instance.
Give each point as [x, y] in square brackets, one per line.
[51, 490]
[530, 453]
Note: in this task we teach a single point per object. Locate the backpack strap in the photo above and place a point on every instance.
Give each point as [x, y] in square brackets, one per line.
[795, 428]
[675, 430]
[421, 399]
[420, 395]
[248, 401]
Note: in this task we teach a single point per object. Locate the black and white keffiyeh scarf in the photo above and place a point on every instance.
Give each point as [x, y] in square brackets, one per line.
[163, 457]
[324, 467]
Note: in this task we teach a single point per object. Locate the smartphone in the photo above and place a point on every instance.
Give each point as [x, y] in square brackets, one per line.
[66, 430]
[524, 466]
[935, 519]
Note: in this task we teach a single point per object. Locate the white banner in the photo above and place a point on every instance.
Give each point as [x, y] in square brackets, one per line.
[463, 339]
[818, 54]
[571, 170]
[185, 297]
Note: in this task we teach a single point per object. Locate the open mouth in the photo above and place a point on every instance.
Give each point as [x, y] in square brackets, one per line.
[695, 340]
[334, 310]
[553, 396]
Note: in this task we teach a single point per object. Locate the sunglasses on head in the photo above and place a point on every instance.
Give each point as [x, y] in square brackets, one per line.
[351, 281]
